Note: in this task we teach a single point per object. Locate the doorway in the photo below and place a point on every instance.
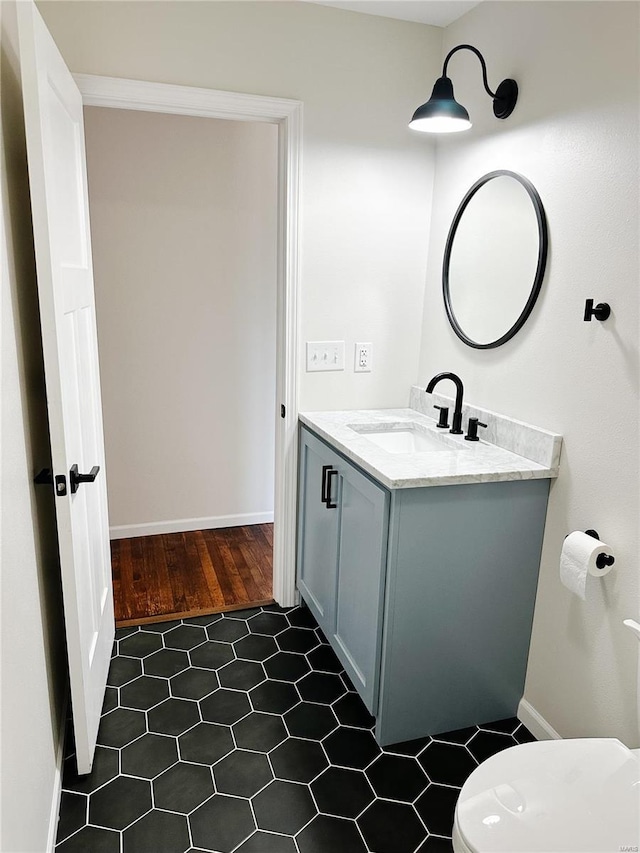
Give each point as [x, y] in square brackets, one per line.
[162, 99]
[184, 232]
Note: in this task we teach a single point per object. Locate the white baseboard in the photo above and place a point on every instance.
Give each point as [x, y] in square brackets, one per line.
[56, 795]
[182, 525]
[536, 723]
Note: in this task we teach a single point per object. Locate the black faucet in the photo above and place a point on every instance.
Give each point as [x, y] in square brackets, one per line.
[456, 423]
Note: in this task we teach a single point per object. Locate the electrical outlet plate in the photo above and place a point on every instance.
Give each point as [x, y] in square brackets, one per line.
[325, 355]
[363, 358]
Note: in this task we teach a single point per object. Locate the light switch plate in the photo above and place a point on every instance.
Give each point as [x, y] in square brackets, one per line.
[325, 355]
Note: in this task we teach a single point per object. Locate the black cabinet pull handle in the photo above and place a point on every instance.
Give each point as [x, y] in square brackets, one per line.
[76, 479]
[327, 472]
[330, 474]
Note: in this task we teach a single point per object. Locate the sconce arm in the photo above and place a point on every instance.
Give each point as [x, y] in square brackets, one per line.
[482, 63]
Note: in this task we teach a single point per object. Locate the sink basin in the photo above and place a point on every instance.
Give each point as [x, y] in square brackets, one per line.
[406, 438]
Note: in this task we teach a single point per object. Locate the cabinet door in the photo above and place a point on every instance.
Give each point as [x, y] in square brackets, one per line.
[362, 553]
[317, 530]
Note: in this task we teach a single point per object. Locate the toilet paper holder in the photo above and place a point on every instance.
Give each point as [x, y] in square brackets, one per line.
[603, 559]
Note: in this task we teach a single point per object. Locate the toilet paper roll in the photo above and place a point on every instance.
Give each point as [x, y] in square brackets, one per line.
[578, 561]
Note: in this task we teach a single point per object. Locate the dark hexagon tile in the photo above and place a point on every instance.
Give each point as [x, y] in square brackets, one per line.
[267, 842]
[222, 823]
[276, 608]
[351, 711]
[185, 637]
[120, 802]
[298, 760]
[342, 793]
[121, 633]
[274, 696]
[246, 613]
[353, 748]
[120, 726]
[211, 655]
[227, 630]
[461, 736]
[157, 831]
[283, 807]
[182, 787]
[91, 838]
[166, 662]
[348, 684]
[297, 640]
[206, 743]
[255, 647]
[204, 620]
[409, 747]
[485, 744]
[105, 767]
[391, 827]
[140, 645]
[506, 726]
[149, 755]
[241, 674]
[268, 623]
[330, 833]
[122, 670]
[310, 721]
[225, 706]
[323, 659]
[260, 732]
[395, 777]
[194, 683]
[523, 735]
[286, 667]
[242, 773]
[173, 716]
[161, 627]
[436, 844]
[321, 687]
[301, 617]
[144, 692]
[73, 814]
[110, 700]
[437, 807]
[447, 763]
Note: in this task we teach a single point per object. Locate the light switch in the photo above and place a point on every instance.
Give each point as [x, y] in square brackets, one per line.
[325, 355]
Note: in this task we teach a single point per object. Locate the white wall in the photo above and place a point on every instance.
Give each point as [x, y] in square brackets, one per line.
[31, 646]
[183, 220]
[574, 134]
[366, 178]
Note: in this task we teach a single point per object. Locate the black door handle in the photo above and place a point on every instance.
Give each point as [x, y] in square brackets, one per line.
[75, 479]
[327, 473]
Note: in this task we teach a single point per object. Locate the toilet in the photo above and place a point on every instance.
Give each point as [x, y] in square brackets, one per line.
[560, 796]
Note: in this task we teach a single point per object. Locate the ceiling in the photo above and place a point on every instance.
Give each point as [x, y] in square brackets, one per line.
[438, 13]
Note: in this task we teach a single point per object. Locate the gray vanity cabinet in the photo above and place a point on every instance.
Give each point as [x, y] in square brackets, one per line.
[342, 554]
[425, 594]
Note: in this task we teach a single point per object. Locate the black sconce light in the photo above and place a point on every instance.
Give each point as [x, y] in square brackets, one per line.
[443, 114]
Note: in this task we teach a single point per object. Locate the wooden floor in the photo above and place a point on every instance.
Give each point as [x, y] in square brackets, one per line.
[175, 575]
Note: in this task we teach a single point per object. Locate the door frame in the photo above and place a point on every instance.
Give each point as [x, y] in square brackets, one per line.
[117, 93]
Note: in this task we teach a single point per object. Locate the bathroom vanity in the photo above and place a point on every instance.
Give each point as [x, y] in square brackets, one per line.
[421, 565]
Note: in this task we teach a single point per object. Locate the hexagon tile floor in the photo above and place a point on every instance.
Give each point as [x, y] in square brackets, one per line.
[241, 732]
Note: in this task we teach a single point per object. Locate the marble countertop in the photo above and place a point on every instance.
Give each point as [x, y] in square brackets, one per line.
[461, 462]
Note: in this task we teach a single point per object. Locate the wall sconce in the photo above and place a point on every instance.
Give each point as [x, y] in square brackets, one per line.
[443, 114]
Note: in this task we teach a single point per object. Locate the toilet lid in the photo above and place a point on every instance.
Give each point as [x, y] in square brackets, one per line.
[569, 796]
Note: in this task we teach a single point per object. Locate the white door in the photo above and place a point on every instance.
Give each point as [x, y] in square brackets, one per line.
[57, 175]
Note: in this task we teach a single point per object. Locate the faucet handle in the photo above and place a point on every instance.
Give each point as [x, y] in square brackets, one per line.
[444, 416]
[472, 429]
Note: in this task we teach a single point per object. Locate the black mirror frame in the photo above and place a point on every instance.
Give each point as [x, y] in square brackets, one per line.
[543, 244]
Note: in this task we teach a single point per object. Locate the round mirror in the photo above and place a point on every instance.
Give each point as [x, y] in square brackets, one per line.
[494, 259]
